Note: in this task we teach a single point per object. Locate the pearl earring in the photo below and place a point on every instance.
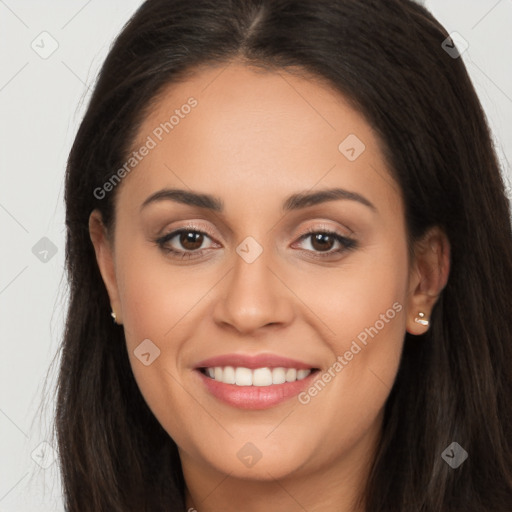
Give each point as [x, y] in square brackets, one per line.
[420, 319]
[114, 316]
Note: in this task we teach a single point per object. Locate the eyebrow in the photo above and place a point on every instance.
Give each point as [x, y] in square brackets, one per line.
[293, 202]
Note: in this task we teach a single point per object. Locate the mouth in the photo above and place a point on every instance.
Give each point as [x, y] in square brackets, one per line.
[254, 382]
[260, 377]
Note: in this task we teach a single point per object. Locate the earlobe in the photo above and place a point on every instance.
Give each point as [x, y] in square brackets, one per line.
[105, 259]
[429, 275]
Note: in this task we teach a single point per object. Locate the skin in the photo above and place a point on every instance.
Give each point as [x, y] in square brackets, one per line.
[254, 138]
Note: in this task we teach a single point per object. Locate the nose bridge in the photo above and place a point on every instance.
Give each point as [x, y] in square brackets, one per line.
[254, 297]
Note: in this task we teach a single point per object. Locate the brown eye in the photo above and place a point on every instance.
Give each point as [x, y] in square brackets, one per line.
[322, 241]
[191, 240]
[325, 243]
[185, 242]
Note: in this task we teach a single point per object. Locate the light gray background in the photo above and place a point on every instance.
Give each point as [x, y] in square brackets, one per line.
[41, 104]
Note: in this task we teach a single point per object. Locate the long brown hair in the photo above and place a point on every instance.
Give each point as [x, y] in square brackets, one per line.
[454, 382]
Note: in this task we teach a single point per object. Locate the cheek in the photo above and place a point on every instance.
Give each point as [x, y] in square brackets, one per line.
[156, 296]
[159, 303]
[363, 322]
[353, 390]
[365, 313]
[362, 297]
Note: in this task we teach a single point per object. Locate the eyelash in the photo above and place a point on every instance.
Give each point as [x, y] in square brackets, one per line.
[347, 244]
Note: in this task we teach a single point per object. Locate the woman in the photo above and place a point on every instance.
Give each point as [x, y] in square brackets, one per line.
[293, 212]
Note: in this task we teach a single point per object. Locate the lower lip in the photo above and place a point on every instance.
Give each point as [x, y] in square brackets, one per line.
[255, 397]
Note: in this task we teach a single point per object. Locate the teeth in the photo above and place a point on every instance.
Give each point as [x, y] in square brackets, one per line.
[261, 376]
[291, 374]
[241, 376]
[228, 375]
[278, 375]
[302, 374]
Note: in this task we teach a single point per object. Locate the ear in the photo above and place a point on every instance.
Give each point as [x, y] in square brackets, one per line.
[104, 250]
[427, 278]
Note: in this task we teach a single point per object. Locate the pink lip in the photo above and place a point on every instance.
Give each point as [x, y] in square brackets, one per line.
[253, 361]
[254, 397]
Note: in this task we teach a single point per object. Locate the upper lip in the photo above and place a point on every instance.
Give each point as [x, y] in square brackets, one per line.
[253, 361]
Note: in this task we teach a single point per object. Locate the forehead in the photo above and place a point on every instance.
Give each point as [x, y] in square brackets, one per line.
[234, 128]
[246, 106]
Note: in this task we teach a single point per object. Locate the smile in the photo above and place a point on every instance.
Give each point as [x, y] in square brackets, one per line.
[240, 376]
[254, 381]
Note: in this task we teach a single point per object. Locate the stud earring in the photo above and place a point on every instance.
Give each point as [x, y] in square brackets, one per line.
[114, 316]
[420, 319]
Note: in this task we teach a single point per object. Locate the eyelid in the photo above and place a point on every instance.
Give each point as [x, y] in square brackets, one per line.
[211, 232]
[191, 227]
[323, 226]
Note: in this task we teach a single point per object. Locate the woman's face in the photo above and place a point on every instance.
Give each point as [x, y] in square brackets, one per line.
[266, 163]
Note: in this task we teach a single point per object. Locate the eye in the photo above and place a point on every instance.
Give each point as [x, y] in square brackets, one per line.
[186, 242]
[321, 242]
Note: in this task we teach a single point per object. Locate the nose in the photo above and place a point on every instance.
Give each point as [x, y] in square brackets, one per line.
[254, 296]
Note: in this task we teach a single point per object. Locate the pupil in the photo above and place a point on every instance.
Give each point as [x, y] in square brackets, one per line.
[321, 238]
[191, 240]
